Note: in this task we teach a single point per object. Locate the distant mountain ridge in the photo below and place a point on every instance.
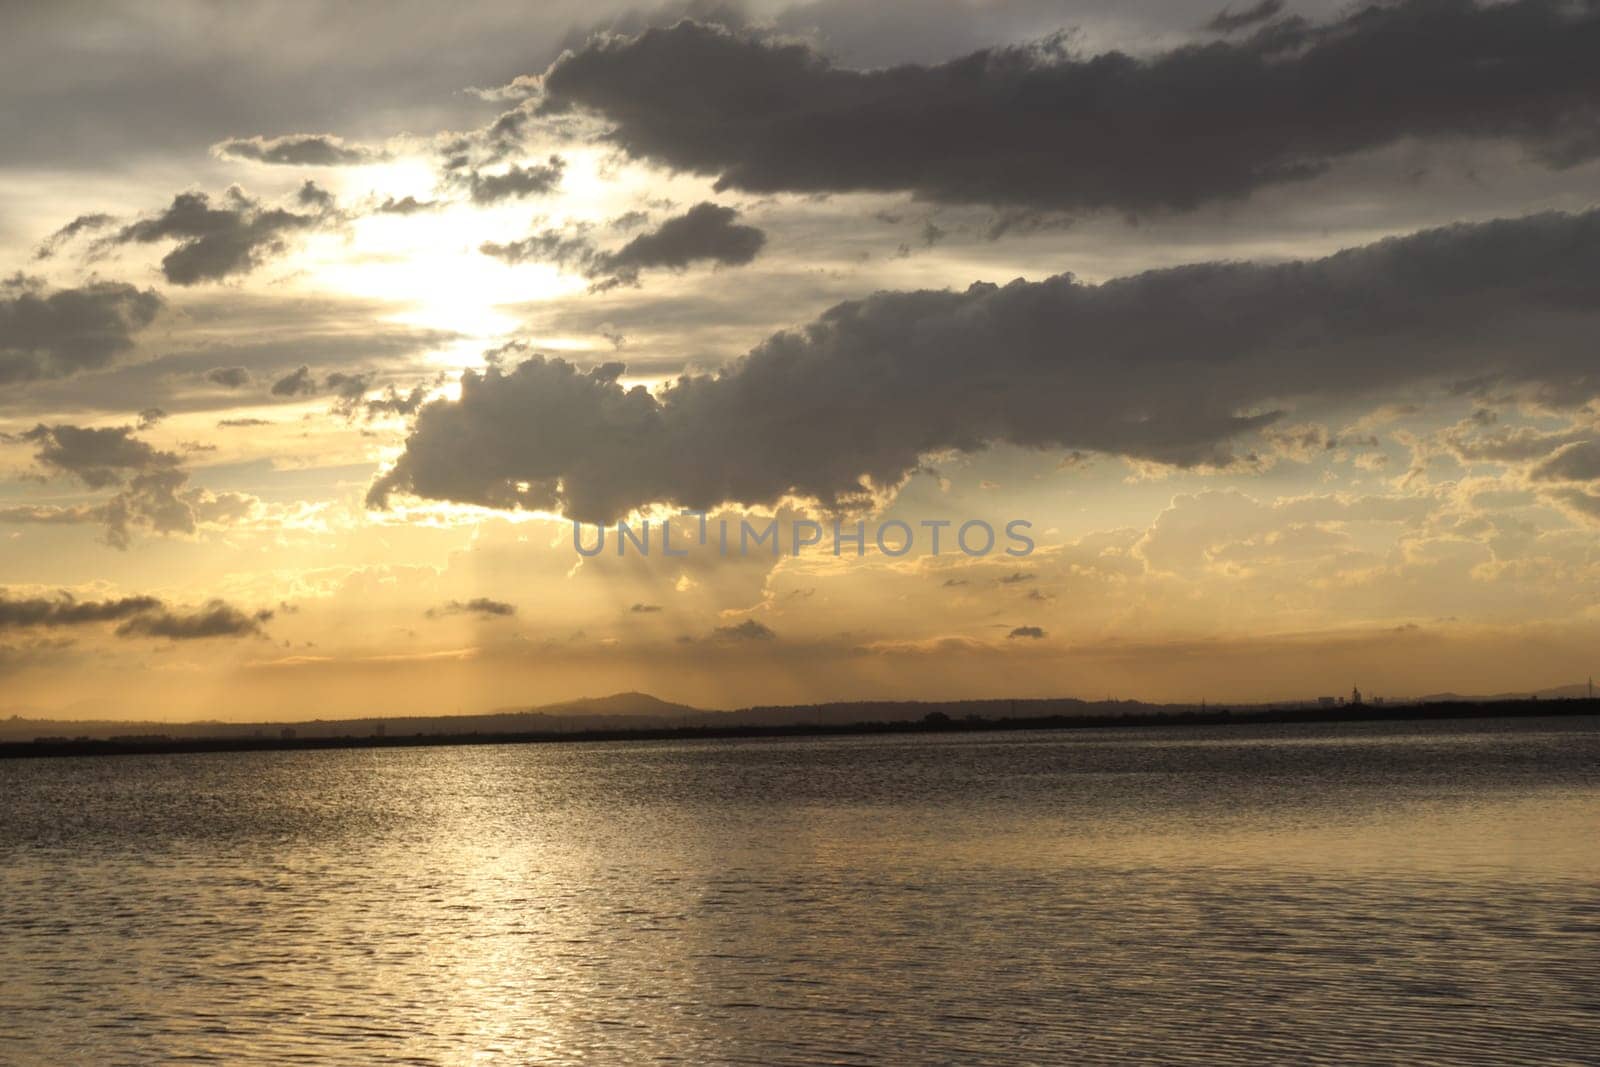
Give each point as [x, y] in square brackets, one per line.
[634, 710]
[630, 703]
[1560, 692]
[618, 709]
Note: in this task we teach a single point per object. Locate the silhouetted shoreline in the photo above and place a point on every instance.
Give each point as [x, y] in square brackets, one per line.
[937, 720]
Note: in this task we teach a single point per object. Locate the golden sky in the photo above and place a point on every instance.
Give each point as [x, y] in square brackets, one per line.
[308, 359]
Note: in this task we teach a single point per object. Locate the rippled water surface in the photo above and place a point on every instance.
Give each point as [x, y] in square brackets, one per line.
[1400, 893]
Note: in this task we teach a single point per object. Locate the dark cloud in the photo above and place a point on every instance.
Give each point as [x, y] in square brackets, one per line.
[228, 377]
[218, 242]
[313, 195]
[1228, 20]
[55, 335]
[1578, 462]
[299, 383]
[97, 457]
[153, 488]
[409, 205]
[348, 390]
[81, 224]
[645, 609]
[393, 402]
[463, 155]
[1033, 632]
[230, 424]
[1169, 365]
[1040, 128]
[300, 150]
[103, 90]
[705, 233]
[64, 610]
[749, 630]
[1580, 502]
[215, 619]
[570, 251]
[516, 182]
[481, 606]
[139, 616]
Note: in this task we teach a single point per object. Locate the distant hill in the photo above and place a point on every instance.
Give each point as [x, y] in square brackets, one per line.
[615, 704]
[620, 710]
[641, 711]
[1560, 692]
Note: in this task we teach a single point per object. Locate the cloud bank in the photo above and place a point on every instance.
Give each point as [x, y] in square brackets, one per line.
[61, 333]
[1169, 366]
[1043, 129]
[137, 616]
[218, 242]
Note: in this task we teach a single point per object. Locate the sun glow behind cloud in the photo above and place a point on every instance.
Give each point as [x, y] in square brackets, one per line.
[430, 260]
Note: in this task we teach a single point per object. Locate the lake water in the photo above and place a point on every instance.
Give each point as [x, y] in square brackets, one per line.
[1419, 893]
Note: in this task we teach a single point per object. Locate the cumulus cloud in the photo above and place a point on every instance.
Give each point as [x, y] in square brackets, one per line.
[315, 196]
[153, 488]
[97, 457]
[300, 150]
[516, 182]
[705, 233]
[480, 606]
[296, 383]
[215, 242]
[1168, 366]
[1032, 632]
[348, 390]
[46, 335]
[1041, 128]
[228, 377]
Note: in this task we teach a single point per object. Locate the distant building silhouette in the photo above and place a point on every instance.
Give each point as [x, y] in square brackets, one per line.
[1355, 695]
[1327, 702]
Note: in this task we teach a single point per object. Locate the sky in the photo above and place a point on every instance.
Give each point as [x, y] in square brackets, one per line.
[1275, 324]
